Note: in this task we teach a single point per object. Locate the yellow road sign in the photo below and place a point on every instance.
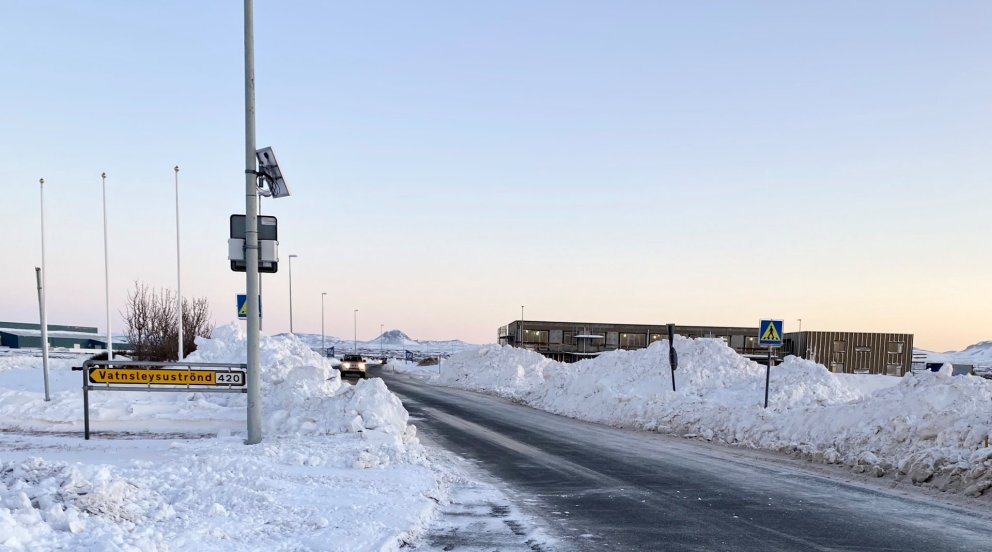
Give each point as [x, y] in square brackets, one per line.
[770, 333]
[165, 377]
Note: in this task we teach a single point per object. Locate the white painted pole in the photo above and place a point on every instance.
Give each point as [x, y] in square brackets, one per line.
[106, 270]
[179, 273]
[323, 351]
[356, 330]
[43, 290]
[380, 339]
[251, 235]
[291, 257]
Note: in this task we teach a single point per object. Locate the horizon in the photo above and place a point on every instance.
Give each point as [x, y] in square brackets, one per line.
[633, 161]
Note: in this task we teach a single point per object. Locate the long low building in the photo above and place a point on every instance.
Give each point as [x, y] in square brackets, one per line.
[19, 335]
[841, 352]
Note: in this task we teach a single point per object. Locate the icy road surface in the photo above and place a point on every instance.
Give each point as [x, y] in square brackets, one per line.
[602, 488]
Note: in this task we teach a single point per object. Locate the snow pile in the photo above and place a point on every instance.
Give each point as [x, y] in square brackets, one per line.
[338, 466]
[930, 428]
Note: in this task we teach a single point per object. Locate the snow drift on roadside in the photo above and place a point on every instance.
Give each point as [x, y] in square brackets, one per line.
[929, 428]
[338, 468]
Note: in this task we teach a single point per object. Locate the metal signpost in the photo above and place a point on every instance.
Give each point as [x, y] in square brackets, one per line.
[769, 335]
[673, 356]
[176, 377]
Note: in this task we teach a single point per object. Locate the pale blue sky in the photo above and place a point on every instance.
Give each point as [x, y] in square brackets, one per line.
[695, 162]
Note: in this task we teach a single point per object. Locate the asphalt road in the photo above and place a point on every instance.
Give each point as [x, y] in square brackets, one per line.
[602, 488]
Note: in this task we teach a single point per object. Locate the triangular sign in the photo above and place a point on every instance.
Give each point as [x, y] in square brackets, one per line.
[770, 333]
[244, 309]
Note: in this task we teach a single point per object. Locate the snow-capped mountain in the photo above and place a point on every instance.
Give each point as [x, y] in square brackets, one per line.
[392, 341]
[978, 354]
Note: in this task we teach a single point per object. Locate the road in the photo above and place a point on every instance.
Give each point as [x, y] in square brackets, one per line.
[603, 488]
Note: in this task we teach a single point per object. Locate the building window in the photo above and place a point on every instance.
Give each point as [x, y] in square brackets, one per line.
[569, 338]
[536, 337]
[612, 338]
[840, 346]
[837, 367]
[632, 340]
[893, 369]
[896, 346]
[737, 341]
[555, 337]
[657, 337]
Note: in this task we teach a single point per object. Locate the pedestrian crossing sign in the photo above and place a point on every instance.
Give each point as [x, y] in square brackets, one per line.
[770, 333]
[243, 306]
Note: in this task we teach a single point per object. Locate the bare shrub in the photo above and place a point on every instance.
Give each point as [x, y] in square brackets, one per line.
[150, 321]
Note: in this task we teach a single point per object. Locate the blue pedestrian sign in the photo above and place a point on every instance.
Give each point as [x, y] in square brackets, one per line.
[770, 333]
[243, 306]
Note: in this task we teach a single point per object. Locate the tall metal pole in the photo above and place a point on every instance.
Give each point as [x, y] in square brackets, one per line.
[291, 257]
[800, 324]
[106, 269]
[520, 329]
[380, 339]
[42, 291]
[251, 235]
[179, 273]
[323, 350]
[356, 330]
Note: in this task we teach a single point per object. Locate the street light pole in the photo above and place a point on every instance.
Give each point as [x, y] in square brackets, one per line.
[291, 257]
[800, 324]
[323, 351]
[43, 292]
[520, 330]
[179, 273]
[251, 235]
[106, 270]
[380, 340]
[356, 330]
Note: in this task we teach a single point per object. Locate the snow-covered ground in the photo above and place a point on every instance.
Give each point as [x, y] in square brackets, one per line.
[928, 428]
[339, 467]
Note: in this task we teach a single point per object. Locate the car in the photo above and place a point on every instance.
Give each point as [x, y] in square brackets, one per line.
[353, 365]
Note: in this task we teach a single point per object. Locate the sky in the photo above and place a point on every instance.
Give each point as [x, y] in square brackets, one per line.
[623, 161]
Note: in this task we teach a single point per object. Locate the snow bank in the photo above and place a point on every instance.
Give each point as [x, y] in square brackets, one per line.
[339, 467]
[929, 428]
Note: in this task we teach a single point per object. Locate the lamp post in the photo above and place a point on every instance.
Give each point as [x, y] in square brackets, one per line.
[520, 329]
[380, 340]
[106, 270]
[291, 257]
[179, 274]
[251, 235]
[356, 330]
[43, 292]
[323, 351]
[800, 324]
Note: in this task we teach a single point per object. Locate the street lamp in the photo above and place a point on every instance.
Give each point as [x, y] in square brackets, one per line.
[520, 330]
[106, 269]
[43, 284]
[291, 257]
[179, 274]
[356, 330]
[800, 324]
[380, 339]
[323, 351]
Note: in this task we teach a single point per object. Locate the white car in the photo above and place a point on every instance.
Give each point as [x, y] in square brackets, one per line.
[353, 365]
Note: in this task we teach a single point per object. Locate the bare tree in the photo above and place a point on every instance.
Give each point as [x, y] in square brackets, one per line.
[150, 321]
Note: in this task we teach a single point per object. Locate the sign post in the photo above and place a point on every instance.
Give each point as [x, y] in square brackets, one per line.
[769, 335]
[673, 356]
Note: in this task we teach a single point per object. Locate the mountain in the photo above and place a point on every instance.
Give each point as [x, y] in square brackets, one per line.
[392, 341]
[978, 354]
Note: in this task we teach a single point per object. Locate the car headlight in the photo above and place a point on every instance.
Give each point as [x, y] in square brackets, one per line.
[346, 364]
[361, 365]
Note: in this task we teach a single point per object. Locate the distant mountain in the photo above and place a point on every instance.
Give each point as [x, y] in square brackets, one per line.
[392, 341]
[979, 354]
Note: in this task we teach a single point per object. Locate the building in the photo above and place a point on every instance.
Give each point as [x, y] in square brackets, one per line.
[854, 352]
[841, 352]
[571, 341]
[19, 335]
